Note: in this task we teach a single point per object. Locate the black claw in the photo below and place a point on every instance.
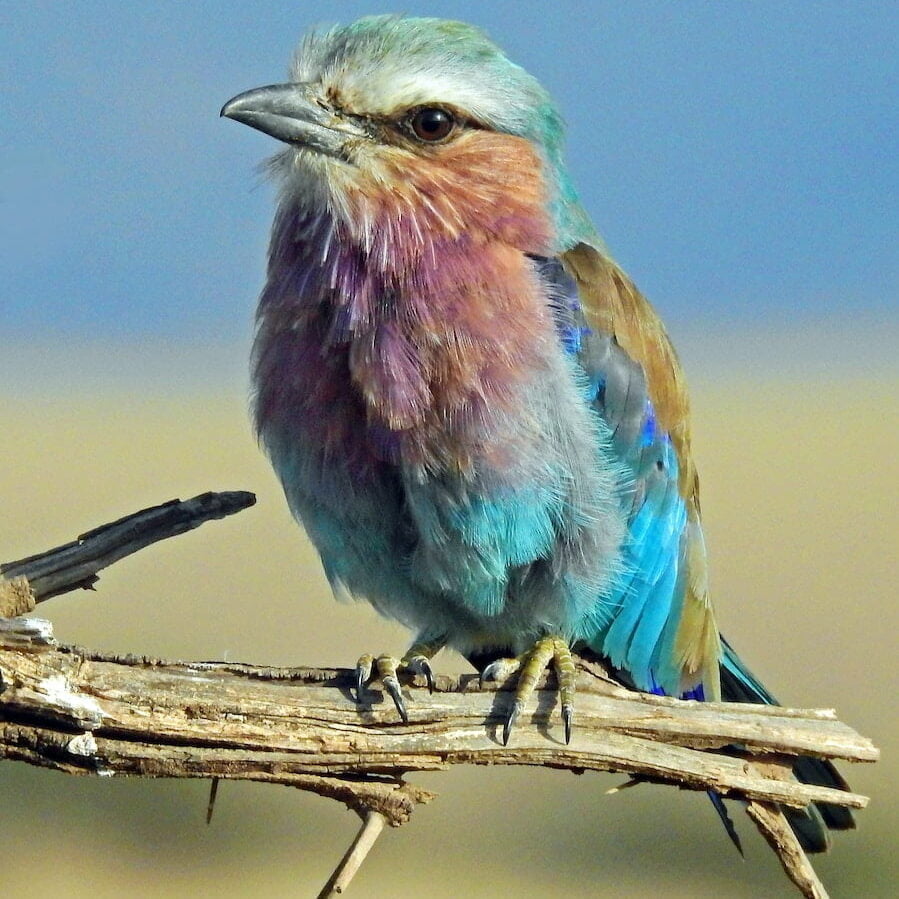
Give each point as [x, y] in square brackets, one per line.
[360, 684]
[567, 715]
[510, 722]
[425, 667]
[486, 674]
[429, 674]
[392, 686]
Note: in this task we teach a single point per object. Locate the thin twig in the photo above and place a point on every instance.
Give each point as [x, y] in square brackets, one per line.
[213, 793]
[372, 825]
[76, 565]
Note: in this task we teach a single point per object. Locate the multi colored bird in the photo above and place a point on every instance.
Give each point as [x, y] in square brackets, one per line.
[476, 416]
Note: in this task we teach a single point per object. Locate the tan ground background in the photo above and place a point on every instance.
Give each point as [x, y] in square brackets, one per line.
[799, 471]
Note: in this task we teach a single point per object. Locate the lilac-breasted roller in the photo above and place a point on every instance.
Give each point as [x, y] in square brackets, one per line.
[476, 416]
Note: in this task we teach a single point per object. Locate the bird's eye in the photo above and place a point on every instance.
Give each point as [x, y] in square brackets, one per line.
[432, 124]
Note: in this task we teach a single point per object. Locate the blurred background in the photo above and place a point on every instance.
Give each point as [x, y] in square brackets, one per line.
[740, 161]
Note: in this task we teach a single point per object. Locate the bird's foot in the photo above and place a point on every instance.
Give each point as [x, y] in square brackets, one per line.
[530, 666]
[386, 669]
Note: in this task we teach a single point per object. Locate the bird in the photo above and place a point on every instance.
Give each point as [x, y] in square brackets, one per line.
[476, 416]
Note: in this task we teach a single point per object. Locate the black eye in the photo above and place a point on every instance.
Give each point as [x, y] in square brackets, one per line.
[432, 124]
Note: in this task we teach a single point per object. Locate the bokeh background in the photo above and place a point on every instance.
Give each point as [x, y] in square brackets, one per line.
[740, 161]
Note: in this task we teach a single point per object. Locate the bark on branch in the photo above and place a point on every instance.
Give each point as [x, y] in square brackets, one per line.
[76, 565]
[83, 712]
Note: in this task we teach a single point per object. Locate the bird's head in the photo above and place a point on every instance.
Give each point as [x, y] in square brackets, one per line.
[422, 121]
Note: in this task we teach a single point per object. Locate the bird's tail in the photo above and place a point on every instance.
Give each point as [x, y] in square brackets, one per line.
[811, 825]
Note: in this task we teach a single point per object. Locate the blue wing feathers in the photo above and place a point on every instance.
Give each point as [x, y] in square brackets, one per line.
[636, 625]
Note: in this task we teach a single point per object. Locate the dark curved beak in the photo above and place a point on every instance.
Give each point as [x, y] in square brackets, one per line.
[293, 113]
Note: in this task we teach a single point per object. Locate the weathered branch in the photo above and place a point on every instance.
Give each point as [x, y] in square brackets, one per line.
[86, 713]
[138, 715]
[773, 825]
[76, 565]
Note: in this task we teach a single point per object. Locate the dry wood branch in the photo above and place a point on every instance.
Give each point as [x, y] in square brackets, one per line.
[75, 565]
[773, 825]
[82, 712]
[86, 713]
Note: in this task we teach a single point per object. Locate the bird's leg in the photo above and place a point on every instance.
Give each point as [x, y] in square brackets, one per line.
[385, 668]
[530, 666]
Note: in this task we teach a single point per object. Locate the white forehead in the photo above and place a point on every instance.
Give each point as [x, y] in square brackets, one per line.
[382, 65]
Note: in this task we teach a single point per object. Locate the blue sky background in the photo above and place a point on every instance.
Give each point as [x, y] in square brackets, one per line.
[740, 159]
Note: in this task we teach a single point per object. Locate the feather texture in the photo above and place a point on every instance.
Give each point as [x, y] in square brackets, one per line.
[649, 626]
[477, 417]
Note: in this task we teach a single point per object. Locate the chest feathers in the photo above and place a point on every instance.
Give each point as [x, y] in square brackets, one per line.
[404, 328]
[415, 359]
